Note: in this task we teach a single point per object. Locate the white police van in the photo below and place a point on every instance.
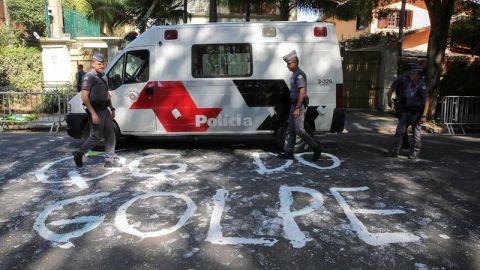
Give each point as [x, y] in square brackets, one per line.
[221, 79]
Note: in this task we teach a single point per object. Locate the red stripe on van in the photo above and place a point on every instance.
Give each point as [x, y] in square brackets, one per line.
[174, 107]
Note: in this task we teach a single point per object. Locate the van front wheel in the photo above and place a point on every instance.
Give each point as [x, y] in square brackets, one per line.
[281, 137]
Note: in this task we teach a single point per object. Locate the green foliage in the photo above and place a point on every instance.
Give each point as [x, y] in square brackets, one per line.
[77, 5]
[344, 9]
[369, 40]
[50, 103]
[14, 37]
[465, 32]
[21, 69]
[28, 13]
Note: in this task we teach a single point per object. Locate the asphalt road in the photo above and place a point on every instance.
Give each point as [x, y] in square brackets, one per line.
[230, 204]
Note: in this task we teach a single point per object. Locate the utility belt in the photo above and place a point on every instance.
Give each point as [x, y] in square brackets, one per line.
[293, 101]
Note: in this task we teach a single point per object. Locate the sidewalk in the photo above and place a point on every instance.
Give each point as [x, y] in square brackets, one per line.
[366, 120]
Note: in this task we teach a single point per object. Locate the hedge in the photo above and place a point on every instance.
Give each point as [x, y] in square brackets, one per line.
[21, 69]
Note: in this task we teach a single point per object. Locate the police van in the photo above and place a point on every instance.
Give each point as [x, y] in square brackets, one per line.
[221, 79]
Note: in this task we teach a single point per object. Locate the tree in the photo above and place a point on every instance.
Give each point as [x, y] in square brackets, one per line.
[110, 13]
[212, 11]
[464, 31]
[440, 13]
[29, 14]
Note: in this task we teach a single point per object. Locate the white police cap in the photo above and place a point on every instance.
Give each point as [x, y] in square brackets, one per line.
[290, 56]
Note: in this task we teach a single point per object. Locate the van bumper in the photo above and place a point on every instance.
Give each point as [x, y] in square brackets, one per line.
[75, 122]
[338, 121]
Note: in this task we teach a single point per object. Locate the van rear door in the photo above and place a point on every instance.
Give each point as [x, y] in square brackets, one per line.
[132, 92]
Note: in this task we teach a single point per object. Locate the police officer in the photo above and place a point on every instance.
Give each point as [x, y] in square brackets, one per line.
[399, 87]
[415, 114]
[97, 101]
[298, 107]
[79, 77]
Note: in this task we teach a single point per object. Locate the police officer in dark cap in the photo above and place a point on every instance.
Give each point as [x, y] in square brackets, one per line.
[100, 113]
[298, 108]
[417, 103]
[399, 87]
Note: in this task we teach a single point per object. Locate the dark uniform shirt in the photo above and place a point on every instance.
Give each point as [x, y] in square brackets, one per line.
[400, 85]
[415, 96]
[97, 89]
[297, 81]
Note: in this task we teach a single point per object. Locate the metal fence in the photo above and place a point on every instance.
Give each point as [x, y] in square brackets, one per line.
[27, 109]
[460, 112]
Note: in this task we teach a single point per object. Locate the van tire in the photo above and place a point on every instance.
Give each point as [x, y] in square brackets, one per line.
[281, 138]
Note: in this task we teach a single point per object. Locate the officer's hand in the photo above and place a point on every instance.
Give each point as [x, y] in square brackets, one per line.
[95, 119]
[423, 119]
[296, 113]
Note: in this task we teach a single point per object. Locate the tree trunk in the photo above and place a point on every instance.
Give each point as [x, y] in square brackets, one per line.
[440, 12]
[284, 10]
[212, 11]
[185, 12]
[247, 10]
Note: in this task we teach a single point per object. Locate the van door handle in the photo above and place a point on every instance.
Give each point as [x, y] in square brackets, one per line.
[149, 91]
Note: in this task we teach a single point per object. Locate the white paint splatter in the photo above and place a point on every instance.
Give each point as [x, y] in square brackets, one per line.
[62, 239]
[375, 239]
[122, 224]
[215, 235]
[291, 230]
[421, 266]
[444, 236]
[262, 169]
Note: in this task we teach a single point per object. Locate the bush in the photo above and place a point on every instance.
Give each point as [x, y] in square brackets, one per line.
[21, 69]
[369, 40]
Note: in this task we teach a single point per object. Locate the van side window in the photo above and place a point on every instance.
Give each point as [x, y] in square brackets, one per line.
[137, 67]
[221, 60]
[115, 75]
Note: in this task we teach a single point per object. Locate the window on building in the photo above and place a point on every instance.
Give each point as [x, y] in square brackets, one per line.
[221, 60]
[392, 20]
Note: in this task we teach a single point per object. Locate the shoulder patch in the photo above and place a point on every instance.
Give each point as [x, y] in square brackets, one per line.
[424, 87]
[85, 77]
[300, 76]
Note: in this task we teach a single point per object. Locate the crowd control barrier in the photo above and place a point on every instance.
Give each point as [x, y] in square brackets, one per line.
[460, 113]
[27, 109]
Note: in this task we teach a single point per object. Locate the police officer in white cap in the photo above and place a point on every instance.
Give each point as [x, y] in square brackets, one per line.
[100, 113]
[298, 108]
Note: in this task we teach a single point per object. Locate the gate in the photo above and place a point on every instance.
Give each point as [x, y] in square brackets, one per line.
[361, 71]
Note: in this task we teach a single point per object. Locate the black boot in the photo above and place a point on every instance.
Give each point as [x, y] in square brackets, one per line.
[317, 153]
[78, 158]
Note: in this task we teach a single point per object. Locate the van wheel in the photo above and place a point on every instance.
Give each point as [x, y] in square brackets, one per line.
[281, 137]
[118, 135]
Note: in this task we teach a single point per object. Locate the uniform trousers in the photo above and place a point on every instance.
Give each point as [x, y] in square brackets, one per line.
[408, 119]
[296, 127]
[104, 129]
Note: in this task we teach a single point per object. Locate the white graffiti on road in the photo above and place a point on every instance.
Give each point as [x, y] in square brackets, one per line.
[262, 168]
[75, 178]
[63, 239]
[215, 235]
[375, 239]
[292, 231]
[133, 166]
[122, 224]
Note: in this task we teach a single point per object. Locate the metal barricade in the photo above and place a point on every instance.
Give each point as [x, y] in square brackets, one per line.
[27, 109]
[460, 112]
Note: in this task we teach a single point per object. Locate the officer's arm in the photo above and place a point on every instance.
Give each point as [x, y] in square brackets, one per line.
[86, 101]
[301, 96]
